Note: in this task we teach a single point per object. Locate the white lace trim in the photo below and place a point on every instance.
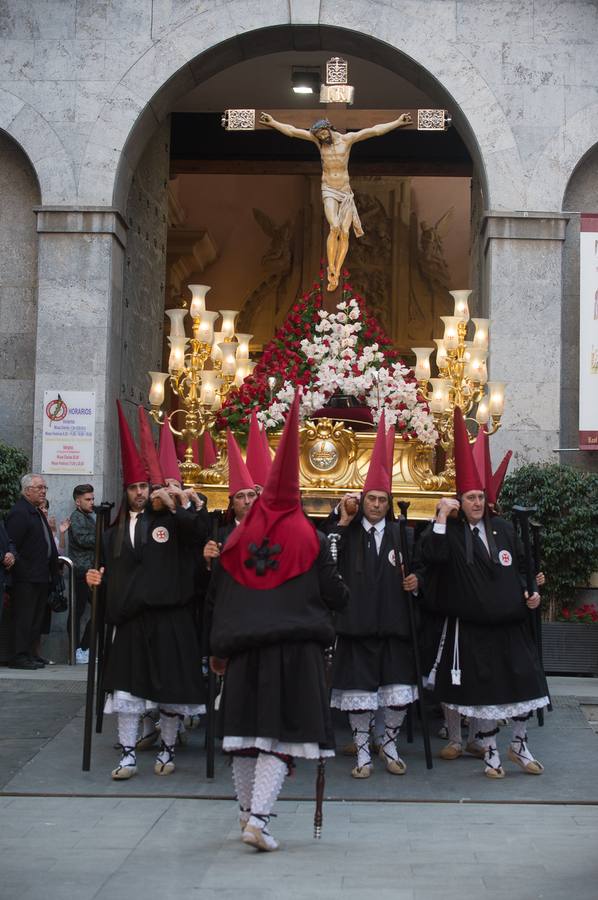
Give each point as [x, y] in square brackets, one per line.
[124, 702]
[386, 695]
[506, 711]
[271, 745]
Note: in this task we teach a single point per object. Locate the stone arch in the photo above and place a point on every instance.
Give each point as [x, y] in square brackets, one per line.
[562, 157]
[52, 165]
[580, 195]
[207, 42]
[20, 193]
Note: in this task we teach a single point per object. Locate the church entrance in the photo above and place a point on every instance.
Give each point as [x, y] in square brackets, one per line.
[245, 208]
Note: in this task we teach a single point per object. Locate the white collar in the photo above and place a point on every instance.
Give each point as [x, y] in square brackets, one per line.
[379, 526]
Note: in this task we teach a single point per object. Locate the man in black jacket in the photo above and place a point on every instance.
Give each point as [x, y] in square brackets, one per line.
[155, 657]
[374, 666]
[82, 541]
[7, 561]
[34, 572]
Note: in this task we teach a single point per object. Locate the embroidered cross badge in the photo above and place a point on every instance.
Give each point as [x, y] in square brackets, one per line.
[260, 557]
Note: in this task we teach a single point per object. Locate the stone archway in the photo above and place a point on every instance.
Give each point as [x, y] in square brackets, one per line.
[170, 68]
[580, 196]
[20, 193]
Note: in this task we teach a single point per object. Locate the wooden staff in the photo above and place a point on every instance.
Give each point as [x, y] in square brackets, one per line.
[100, 511]
[522, 516]
[212, 681]
[415, 644]
[320, 783]
[104, 639]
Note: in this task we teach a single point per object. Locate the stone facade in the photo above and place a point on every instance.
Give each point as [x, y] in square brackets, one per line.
[86, 86]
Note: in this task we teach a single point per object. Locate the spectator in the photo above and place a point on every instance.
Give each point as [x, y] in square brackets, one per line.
[34, 572]
[7, 560]
[58, 531]
[82, 539]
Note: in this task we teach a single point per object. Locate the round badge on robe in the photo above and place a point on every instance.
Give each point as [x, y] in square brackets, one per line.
[160, 534]
[393, 559]
[505, 558]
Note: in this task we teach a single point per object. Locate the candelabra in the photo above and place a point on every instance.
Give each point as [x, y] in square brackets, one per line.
[201, 372]
[462, 381]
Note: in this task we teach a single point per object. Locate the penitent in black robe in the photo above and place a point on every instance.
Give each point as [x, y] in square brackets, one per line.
[275, 685]
[499, 665]
[374, 648]
[155, 653]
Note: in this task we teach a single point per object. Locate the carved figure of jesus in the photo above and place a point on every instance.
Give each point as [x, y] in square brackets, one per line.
[337, 196]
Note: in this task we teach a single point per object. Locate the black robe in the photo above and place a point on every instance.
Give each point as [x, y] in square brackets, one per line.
[275, 685]
[155, 653]
[374, 646]
[498, 658]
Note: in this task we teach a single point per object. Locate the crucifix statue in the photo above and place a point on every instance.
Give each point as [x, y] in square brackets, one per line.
[337, 196]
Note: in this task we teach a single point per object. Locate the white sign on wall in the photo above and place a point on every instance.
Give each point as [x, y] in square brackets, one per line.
[69, 431]
[588, 333]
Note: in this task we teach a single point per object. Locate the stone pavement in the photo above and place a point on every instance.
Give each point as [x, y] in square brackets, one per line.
[447, 833]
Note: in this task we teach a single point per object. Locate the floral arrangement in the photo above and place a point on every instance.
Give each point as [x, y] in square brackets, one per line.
[345, 352]
[586, 614]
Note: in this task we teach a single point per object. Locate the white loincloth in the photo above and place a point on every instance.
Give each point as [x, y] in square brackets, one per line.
[347, 205]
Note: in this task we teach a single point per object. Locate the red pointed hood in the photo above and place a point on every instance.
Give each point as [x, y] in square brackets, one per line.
[496, 482]
[390, 450]
[169, 462]
[134, 469]
[379, 477]
[481, 457]
[239, 477]
[467, 475]
[275, 522]
[209, 454]
[148, 448]
[259, 461]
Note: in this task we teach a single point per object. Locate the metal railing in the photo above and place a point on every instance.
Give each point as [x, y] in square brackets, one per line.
[64, 560]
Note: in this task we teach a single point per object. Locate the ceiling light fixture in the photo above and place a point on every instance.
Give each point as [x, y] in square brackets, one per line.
[305, 81]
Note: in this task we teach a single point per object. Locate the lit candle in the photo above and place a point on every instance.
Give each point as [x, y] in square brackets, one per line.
[496, 395]
[440, 353]
[216, 354]
[480, 338]
[243, 348]
[461, 305]
[198, 299]
[229, 364]
[228, 322]
[205, 330]
[450, 336]
[422, 362]
[439, 399]
[176, 360]
[177, 323]
[476, 366]
[482, 413]
[156, 392]
[210, 382]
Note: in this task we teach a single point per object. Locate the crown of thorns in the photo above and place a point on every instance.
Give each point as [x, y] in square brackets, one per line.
[322, 123]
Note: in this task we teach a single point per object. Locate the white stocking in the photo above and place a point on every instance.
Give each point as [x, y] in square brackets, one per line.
[519, 741]
[243, 778]
[128, 726]
[148, 723]
[453, 724]
[270, 773]
[486, 735]
[169, 726]
[393, 719]
[360, 726]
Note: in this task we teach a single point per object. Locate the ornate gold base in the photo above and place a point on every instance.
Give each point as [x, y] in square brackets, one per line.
[334, 459]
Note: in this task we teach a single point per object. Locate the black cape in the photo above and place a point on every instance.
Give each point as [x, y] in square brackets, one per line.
[155, 652]
[498, 658]
[275, 685]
